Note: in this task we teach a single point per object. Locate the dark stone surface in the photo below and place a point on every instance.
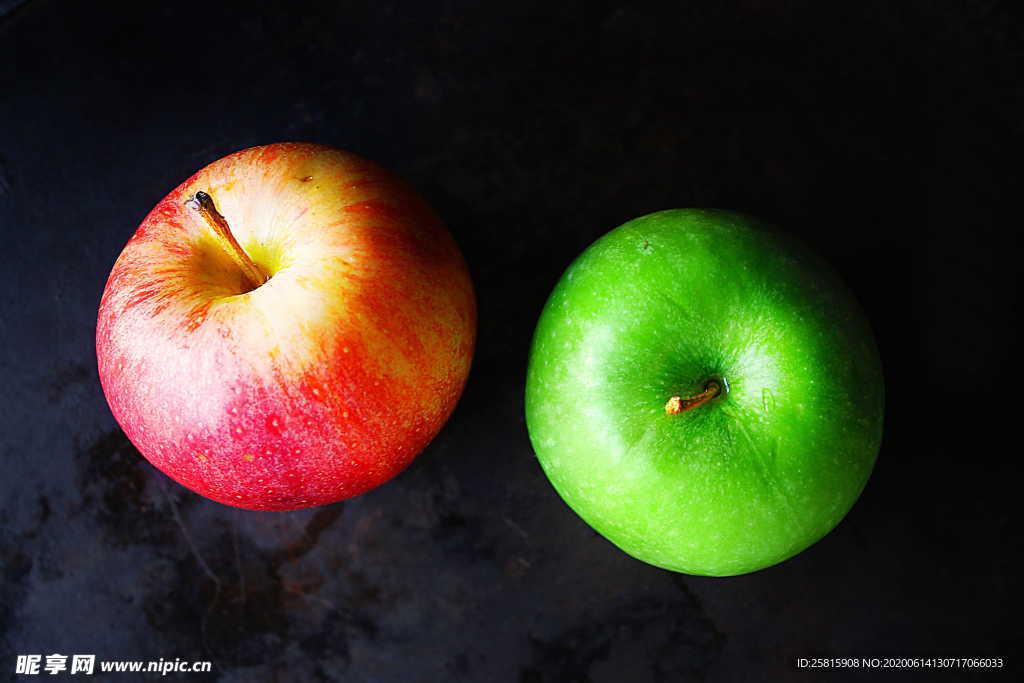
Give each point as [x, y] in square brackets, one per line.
[877, 131]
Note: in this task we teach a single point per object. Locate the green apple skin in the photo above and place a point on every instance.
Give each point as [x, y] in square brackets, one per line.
[657, 308]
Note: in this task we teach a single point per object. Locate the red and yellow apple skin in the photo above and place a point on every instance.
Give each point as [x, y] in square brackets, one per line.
[320, 384]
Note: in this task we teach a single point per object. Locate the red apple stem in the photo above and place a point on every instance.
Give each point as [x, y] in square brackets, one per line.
[678, 404]
[203, 203]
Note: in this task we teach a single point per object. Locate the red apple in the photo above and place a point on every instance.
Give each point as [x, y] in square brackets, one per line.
[289, 327]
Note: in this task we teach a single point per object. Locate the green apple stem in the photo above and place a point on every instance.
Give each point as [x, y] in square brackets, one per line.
[203, 203]
[678, 404]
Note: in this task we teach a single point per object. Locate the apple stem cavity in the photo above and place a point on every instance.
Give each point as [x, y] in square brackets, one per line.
[253, 275]
[678, 404]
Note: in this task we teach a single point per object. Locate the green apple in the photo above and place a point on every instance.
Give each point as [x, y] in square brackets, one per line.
[704, 392]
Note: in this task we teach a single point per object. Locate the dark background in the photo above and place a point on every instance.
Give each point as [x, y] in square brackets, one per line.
[877, 131]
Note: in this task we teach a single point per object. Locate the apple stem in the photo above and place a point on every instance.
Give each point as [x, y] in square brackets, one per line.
[678, 404]
[203, 203]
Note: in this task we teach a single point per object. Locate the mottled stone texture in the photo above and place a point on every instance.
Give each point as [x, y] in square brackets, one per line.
[876, 131]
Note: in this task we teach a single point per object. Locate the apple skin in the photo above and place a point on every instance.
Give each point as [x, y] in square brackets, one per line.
[322, 383]
[657, 308]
